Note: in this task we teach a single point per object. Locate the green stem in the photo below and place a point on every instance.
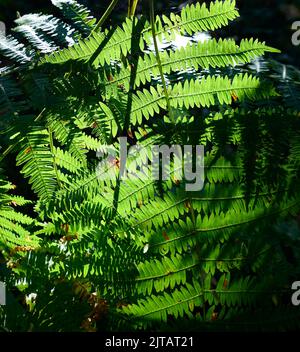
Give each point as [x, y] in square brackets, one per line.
[132, 7]
[166, 93]
[105, 16]
[7, 151]
[40, 115]
[129, 8]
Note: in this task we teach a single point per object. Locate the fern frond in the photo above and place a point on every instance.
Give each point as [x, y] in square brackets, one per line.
[149, 251]
[37, 161]
[49, 27]
[13, 224]
[218, 227]
[200, 18]
[206, 92]
[113, 43]
[11, 48]
[78, 15]
[212, 53]
[37, 40]
[66, 161]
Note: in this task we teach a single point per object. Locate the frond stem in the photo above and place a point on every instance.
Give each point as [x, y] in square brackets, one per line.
[159, 63]
[132, 5]
[105, 16]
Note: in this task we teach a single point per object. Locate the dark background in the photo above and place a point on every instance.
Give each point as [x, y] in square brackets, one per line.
[268, 20]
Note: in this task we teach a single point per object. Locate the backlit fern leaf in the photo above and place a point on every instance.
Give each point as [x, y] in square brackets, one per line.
[149, 251]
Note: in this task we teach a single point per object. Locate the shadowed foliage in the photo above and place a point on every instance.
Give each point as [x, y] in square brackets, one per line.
[86, 252]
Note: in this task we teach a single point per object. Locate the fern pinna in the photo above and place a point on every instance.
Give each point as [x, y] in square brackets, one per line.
[88, 252]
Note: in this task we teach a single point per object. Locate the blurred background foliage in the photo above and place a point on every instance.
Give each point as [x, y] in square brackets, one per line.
[268, 20]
